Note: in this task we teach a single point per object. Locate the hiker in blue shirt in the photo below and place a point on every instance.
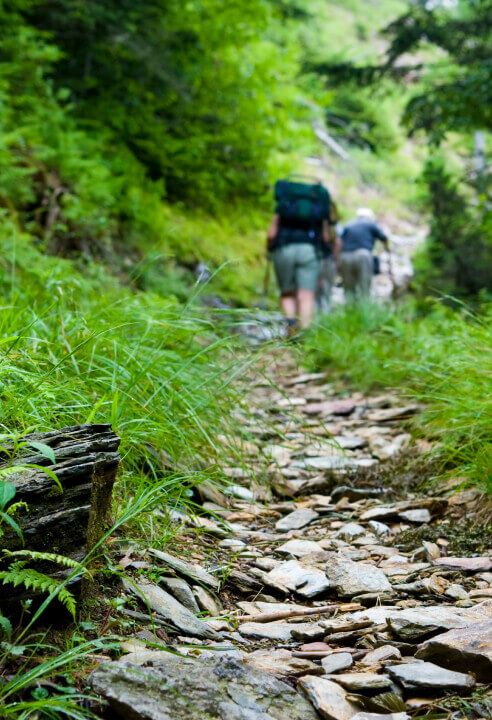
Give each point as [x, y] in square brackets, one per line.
[356, 260]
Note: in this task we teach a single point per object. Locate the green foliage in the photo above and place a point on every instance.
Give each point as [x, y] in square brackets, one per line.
[457, 256]
[43, 688]
[18, 574]
[365, 119]
[455, 90]
[194, 91]
[88, 349]
[443, 360]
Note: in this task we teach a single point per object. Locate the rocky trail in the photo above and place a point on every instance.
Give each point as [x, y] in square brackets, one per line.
[322, 586]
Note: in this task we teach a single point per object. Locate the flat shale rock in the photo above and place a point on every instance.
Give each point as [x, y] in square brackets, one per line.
[419, 516]
[303, 579]
[380, 654]
[389, 414]
[363, 681]
[281, 662]
[350, 531]
[413, 623]
[467, 648]
[279, 630]
[178, 688]
[207, 601]
[476, 564]
[167, 606]
[296, 520]
[329, 699]
[427, 675]
[336, 661]
[379, 512]
[298, 548]
[352, 578]
[328, 407]
[185, 568]
[325, 462]
[181, 591]
[384, 450]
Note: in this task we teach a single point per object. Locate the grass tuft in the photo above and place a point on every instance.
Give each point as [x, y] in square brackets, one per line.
[443, 360]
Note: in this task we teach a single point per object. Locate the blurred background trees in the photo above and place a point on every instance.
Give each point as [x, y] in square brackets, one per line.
[108, 108]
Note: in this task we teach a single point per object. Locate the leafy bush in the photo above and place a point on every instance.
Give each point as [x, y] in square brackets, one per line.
[456, 259]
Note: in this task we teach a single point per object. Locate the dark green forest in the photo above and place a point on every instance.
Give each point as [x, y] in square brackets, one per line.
[139, 139]
[110, 111]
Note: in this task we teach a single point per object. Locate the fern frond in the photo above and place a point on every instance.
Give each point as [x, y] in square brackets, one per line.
[47, 557]
[32, 579]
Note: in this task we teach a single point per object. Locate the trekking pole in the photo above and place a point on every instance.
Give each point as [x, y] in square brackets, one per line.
[266, 283]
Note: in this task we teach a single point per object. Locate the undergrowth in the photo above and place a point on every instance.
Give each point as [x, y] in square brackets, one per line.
[442, 360]
[77, 348]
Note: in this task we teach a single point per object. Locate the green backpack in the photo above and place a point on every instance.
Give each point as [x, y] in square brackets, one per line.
[302, 205]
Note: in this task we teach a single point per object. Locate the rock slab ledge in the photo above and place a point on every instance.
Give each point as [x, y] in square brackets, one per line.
[179, 688]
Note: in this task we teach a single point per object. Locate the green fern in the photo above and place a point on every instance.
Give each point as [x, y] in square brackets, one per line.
[17, 574]
[47, 557]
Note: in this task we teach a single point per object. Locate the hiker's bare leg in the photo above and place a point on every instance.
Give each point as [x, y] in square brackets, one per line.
[288, 303]
[305, 307]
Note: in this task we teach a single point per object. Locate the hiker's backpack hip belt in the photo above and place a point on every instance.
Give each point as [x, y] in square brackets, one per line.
[289, 236]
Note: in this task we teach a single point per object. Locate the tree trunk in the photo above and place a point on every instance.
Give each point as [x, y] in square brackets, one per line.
[68, 521]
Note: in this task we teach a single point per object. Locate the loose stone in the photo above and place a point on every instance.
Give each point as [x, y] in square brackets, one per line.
[350, 531]
[352, 578]
[206, 601]
[336, 661]
[303, 579]
[469, 647]
[181, 591]
[456, 592]
[296, 520]
[167, 606]
[298, 548]
[417, 516]
[187, 569]
[173, 689]
[276, 631]
[362, 681]
[329, 699]
[413, 623]
[382, 653]
[466, 564]
[428, 675]
[281, 662]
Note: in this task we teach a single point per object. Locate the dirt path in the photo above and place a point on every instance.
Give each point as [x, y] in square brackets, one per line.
[333, 595]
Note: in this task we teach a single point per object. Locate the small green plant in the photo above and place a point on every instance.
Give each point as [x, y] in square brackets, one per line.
[18, 574]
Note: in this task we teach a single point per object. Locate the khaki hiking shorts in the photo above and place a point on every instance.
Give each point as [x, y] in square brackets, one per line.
[297, 267]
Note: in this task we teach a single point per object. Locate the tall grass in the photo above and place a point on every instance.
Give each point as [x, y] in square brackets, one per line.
[79, 347]
[443, 359]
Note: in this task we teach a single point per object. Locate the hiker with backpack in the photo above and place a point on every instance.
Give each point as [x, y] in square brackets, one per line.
[300, 227]
[357, 264]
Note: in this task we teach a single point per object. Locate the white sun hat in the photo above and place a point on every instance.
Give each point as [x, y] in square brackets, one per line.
[366, 214]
